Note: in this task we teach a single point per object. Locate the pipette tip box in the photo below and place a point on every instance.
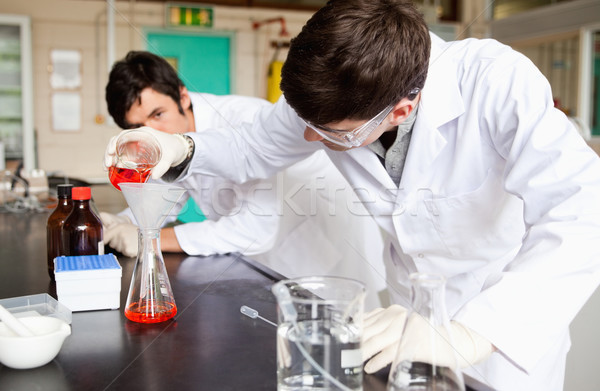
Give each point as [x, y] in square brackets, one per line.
[88, 282]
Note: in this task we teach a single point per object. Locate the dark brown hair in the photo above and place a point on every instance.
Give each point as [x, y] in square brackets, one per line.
[355, 57]
[131, 75]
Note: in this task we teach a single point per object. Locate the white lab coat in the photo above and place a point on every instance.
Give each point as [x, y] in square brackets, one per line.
[325, 230]
[296, 222]
[499, 194]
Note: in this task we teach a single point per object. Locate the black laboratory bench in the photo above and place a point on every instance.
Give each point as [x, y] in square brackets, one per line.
[209, 345]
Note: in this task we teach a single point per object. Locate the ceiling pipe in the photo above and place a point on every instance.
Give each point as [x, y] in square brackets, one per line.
[282, 33]
[110, 33]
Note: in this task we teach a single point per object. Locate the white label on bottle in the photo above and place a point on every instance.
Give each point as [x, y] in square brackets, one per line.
[351, 358]
[101, 248]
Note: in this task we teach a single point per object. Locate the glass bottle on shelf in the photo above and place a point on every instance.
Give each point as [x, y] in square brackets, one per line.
[83, 228]
[55, 224]
[426, 359]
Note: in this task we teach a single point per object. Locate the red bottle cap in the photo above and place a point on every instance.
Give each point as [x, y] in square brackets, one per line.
[81, 193]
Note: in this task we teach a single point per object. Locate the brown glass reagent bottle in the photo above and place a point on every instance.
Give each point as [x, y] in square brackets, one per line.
[54, 226]
[83, 229]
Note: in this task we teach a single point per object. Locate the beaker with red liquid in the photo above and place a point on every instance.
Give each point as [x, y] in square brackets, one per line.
[117, 175]
[137, 153]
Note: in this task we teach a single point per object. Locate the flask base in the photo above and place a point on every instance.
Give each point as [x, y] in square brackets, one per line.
[150, 313]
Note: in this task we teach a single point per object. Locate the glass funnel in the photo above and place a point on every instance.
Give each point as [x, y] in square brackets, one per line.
[150, 298]
[426, 359]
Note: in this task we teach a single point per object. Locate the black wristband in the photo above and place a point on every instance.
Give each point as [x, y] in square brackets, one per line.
[175, 172]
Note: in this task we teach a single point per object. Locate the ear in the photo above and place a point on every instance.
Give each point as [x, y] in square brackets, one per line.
[401, 111]
[185, 99]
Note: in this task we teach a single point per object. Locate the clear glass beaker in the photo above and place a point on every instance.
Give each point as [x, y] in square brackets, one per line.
[319, 333]
[137, 153]
[426, 359]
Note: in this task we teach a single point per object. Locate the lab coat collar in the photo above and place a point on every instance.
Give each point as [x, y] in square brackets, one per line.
[441, 102]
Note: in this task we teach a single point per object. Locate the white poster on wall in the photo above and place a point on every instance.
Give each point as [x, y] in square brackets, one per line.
[66, 111]
[66, 69]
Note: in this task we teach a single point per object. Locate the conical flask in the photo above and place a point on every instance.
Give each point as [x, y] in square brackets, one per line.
[426, 359]
[150, 298]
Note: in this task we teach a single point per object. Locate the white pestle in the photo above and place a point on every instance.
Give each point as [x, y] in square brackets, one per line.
[14, 324]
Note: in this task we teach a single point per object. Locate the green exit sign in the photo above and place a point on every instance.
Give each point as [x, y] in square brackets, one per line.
[187, 15]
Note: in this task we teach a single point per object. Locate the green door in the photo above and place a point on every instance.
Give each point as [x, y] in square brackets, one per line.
[203, 63]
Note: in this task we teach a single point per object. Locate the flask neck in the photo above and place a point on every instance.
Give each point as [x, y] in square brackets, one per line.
[149, 243]
[428, 297]
[149, 233]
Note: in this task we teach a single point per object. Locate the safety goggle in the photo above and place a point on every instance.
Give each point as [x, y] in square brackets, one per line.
[352, 138]
[355, 138]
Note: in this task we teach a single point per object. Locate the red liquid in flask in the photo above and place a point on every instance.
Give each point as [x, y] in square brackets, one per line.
[117, 175]
[146, 313]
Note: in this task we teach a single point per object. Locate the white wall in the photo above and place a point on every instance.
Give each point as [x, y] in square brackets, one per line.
[81, 25]
[584, 356]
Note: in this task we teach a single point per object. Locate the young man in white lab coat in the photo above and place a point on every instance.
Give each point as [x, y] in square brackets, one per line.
[144, 90]
[273, 220]
[456, 150]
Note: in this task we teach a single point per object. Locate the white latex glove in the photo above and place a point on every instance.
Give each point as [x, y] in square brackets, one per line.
[467, 348]
[109, 220]
[123, 238]
[382, 329]
[174, 150]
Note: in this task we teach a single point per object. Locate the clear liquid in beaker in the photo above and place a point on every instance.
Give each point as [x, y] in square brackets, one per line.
[333, 347]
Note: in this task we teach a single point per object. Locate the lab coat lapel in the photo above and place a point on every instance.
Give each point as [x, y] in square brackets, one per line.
[440, 103]
[370, 162]
[372, 182]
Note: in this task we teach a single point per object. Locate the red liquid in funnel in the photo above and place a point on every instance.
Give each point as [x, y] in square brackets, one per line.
[117, 175]
[146, 313]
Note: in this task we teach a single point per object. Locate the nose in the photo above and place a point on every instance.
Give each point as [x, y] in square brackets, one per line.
[310, 135]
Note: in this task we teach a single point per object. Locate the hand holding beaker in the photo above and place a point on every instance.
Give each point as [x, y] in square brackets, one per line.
[131, 156]
[174, 149]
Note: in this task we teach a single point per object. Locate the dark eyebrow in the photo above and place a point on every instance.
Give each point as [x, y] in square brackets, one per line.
[156, 110]
[132, 126]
